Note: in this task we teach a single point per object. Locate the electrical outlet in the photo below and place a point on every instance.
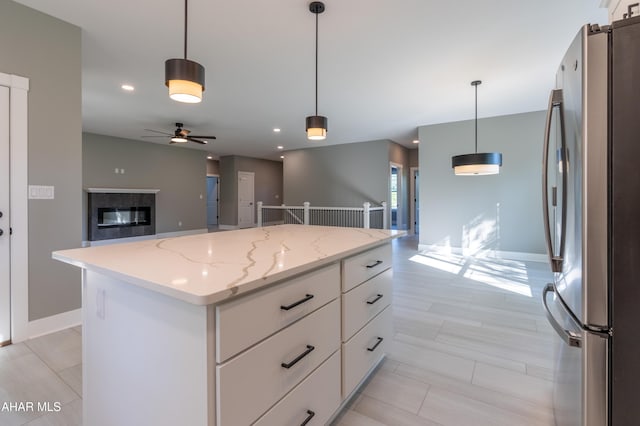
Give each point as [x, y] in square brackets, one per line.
[179, 223]
[116, 171]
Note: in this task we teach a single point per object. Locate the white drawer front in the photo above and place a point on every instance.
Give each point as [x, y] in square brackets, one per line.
[361, 353]
[252, 382]
[364, 302]
[247, 320]
[359, 268]
[316, 399]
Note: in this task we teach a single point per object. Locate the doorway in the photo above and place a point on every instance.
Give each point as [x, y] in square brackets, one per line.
[5, 241]
[414, 196]
[213, 196]
[246, 208]
[14, 241]
[395, 196]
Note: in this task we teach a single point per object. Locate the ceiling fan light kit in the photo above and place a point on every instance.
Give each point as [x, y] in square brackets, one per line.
[476, 164]
[316, 125]
[184, 78]
[180, 135]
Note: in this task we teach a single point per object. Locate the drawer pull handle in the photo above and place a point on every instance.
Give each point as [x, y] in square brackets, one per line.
[371, 302]
[373, 348]
[299, 302]
[309, 417]
[299, 357]
[374, 264]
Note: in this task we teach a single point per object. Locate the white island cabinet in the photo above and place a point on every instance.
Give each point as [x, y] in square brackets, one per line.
[267, 326]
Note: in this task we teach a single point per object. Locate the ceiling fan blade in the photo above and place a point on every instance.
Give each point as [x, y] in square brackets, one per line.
[203, 137]
[154, 136]
[157, 131]
[197, 140]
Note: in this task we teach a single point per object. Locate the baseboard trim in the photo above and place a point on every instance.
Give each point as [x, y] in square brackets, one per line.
[228, 227]
[54, 323]
[487, 253]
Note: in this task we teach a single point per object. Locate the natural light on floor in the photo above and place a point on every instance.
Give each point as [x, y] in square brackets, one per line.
[509, 275]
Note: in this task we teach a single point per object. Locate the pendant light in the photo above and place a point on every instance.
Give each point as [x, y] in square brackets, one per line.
[484, 163]
[316, 124]
[184, 78]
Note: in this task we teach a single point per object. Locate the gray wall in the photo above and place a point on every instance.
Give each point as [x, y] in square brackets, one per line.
[344, 175]
[499, 212]
[338, 175]
[267, 184]
[47, 51]
[179, 173]
[213, 167]
[413, 158]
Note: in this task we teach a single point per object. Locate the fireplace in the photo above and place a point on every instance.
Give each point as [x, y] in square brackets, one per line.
[110, 217]
[120, 213]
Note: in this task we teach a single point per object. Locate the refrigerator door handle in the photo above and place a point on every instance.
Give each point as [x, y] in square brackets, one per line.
[555, 100]
[567, 336]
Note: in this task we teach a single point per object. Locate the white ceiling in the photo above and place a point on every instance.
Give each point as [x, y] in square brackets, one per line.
[385, 66]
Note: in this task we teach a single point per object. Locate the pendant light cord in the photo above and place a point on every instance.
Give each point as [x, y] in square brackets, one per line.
[476, 118]
[185, 29]
[316, 63]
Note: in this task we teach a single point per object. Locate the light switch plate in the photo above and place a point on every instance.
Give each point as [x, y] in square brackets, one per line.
[41, 192]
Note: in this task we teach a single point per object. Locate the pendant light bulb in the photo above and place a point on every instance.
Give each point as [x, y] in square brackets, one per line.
[477, 164]
[184, 78]
[316, 125]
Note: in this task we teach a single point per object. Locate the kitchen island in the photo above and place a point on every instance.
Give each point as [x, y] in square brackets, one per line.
[269, 326]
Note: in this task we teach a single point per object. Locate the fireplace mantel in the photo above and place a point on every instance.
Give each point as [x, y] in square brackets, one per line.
[122, 191]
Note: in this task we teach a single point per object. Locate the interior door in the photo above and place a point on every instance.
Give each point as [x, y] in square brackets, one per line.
[212, 200]
[246, 202]
[5, 259]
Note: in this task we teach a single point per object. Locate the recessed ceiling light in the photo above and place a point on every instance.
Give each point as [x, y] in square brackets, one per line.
[416, 141]
[128, 87]
[209, 157]
[280, 147]
[282, 156]
[277, 130]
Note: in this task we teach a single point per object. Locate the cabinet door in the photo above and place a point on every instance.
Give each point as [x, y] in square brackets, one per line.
[315, 399]
[364, 350]
[361, 267]
[364, 302]
[249, 384]
[249, 319]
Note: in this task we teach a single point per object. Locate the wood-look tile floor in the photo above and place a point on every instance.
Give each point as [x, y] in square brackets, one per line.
[471, 348]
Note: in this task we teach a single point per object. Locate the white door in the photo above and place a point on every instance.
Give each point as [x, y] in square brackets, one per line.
[212, 200]
[246, 208]
[416, 201]
[5, 262]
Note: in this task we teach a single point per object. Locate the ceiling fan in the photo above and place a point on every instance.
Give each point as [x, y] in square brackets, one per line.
[180, 135]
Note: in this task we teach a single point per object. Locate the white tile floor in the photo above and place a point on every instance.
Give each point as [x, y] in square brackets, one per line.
[471, 348]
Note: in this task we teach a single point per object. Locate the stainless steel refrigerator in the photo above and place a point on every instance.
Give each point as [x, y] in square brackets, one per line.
[591, 203]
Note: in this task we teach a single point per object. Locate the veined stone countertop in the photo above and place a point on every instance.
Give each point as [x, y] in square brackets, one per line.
[209, 268]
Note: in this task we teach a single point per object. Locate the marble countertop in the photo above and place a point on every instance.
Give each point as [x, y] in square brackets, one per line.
[209, 268]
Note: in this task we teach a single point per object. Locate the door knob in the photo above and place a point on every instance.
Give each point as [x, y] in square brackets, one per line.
[1, 232]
